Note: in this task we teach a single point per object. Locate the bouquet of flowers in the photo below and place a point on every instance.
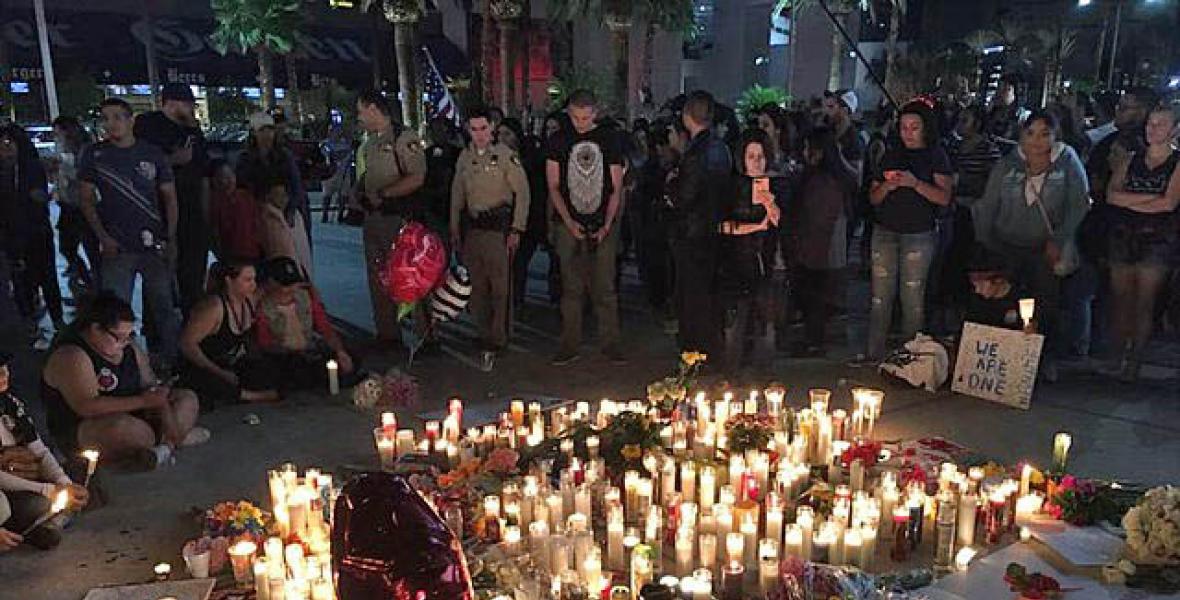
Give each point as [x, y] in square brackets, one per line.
[625, 440]
[1085, 502]
[672, 390]
[235, 520]
[867, 452]
[749, 432]
[1033, 586]
[1153, 527]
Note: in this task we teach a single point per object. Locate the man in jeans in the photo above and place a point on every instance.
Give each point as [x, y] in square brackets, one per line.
[584, 172]
[136, 220]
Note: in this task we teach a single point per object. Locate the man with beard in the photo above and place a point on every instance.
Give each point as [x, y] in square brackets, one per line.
[175, 131]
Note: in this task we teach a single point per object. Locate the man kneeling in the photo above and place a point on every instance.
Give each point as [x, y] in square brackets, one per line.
[100, 392]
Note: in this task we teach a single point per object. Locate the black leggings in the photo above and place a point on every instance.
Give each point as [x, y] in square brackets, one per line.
[35, 271]
[27, 507]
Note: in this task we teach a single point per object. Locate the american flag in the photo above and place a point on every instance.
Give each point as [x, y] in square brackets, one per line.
[435, 95]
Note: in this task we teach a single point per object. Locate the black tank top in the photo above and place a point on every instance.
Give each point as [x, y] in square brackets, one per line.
[115, 380]
[224, 347]
[1142, 179]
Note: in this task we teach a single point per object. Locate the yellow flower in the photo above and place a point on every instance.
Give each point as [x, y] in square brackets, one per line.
[1036, 477]
[631, 452]
[692, 358]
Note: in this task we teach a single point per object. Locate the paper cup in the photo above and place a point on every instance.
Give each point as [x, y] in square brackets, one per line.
[198, 564]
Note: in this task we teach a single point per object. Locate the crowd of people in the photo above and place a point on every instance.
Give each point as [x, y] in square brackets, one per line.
[740, 231]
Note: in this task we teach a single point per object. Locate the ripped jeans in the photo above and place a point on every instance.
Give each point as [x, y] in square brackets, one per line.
[904, 258]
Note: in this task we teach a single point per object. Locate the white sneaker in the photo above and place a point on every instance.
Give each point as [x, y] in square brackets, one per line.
[164, 456]
[195, 437]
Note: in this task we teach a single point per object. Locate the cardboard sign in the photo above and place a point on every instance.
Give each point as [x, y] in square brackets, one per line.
[998, 364]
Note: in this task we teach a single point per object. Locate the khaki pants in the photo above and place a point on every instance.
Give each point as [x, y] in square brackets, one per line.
[379, 232]
[486, 254]
[587, 269]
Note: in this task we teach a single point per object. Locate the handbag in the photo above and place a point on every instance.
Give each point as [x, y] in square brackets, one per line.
[1071, 259]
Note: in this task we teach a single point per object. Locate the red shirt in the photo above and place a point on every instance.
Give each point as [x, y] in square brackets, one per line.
[235, 217]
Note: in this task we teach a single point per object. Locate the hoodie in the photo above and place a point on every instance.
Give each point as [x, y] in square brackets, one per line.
[1005, 216]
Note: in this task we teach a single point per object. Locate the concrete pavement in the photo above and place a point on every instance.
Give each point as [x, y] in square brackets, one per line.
[1130, 432]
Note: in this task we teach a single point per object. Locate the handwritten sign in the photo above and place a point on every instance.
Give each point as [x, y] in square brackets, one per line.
[997, 364]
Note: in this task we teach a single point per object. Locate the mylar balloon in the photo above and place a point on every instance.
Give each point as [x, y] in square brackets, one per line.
[389, 544]
[414, 265]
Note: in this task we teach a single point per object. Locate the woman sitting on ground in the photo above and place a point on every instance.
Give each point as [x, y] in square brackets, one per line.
[213, 343]
[292, 331]
[31, 476]
[100, 391]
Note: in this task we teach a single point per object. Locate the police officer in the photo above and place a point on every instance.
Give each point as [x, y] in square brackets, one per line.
[395, 169]
[489, 212]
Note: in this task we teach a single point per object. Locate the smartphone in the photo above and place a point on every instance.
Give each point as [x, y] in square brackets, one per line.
[761, 188]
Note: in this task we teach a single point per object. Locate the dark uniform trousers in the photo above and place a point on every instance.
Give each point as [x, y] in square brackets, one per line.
[486, 254]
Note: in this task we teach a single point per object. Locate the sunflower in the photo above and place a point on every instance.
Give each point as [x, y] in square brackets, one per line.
[631, 452]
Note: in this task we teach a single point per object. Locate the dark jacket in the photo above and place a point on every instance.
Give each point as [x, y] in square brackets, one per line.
[704, 185]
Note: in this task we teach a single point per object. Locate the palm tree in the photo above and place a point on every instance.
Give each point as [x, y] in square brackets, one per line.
[506, 13]
[404, 16]
[264, 27]
[840, 10]
[897, 9]
[618, 15]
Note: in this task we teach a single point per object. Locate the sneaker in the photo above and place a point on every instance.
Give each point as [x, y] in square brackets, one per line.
[487, 361]
[161, 456]
[195, 437]
[44, 537]
[614, 355]
[565, 357]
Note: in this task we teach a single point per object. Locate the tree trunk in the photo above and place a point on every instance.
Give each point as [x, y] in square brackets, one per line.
[506, 74]
[836, 66]
[562, 48]
[620, 48]
[403, 41]
[294, 98]
[891, 47]
[649, 50]
[266, 79]
[378, 42]
[486, 31]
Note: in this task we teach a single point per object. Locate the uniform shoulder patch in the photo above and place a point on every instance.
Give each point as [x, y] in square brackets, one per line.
[514, 159]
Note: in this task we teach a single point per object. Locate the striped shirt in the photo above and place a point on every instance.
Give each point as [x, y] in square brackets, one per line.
[973, 165]
[128, 181]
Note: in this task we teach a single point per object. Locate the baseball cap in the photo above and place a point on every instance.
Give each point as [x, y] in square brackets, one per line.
[259, 120]
[180, 92]
[283, 270]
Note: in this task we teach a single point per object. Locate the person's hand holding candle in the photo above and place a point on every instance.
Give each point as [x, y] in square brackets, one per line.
[78, 495]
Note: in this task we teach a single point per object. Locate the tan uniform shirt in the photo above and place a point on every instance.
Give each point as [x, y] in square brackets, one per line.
[487, 180]
[388, 159]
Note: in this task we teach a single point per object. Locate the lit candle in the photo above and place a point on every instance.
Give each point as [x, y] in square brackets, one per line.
[556, 515]
[1025, 534]
[735, 547]
[794, 540]
[592, 573]
[405, 441]
[805, 517]
[261, 580]
[964, 557]
[1061, 443]
[516, 408]
[968, 511]
[615, 558]
[91, 456]
[774, 522]
[1028, 307]
[819, 400]
[688, 481]
[1025, 478]
[641, 572]
[1026, 507]
[749, 530]
[163, 571]
[512, 540]
[856, 475]
[386, 450]
[333, 377]
[241, 555]
[491, 506]
[708, 544]
[868, 548]
[295, 562]
[684, 546]
[708, 487]
[852, 547]
[768, 565]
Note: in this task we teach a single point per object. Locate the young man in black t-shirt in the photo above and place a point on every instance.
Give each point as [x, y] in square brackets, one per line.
[175, 132]
[584, 172]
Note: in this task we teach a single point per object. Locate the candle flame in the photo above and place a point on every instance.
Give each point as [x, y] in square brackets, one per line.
[60, 501]
[90, 454]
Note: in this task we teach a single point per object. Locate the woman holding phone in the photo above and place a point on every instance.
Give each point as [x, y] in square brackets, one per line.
[749, 231]
[913, 181]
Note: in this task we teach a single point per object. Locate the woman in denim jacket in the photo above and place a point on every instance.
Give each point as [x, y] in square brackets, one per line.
[1029, 214]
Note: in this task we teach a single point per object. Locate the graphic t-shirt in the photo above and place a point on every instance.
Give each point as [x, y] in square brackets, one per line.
[586, 159]
[127, 180]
